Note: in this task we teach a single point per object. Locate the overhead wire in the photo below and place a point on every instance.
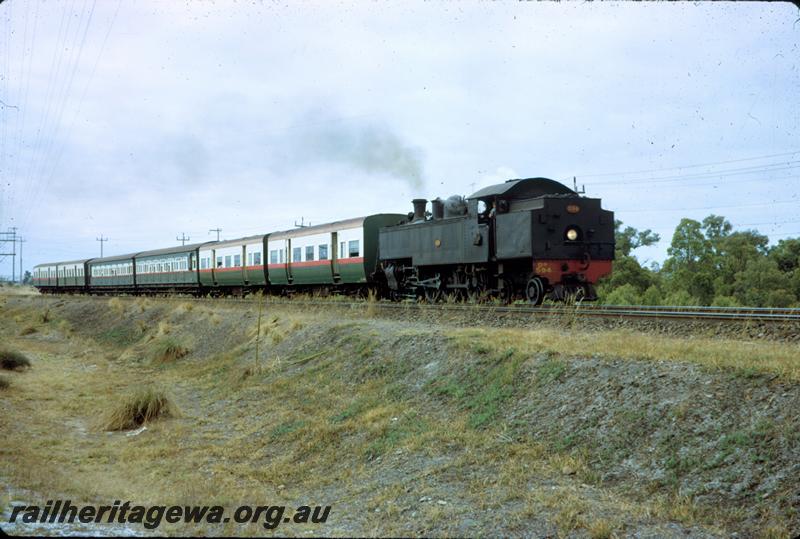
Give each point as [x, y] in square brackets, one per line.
[64, 92]
[27, 53]
[23, 101]
[4, 111]
[772, 167]
[679, 167]
[89, 80]
[34, 154]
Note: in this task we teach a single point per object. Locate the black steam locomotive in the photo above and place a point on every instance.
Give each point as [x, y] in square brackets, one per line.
[531, 238]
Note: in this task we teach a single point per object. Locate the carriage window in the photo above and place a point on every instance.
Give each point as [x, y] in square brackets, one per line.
[296, 254]
[323, 252]
[353, 248]
[228, 261]
[219, 261]
[281, 253]
[249, 259]
[341, 250]
[273, 257]
[257, 258]
[310, 252]
[237, 260]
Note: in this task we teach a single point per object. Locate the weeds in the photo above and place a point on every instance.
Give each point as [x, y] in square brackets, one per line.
[115, 304]
[483, 389]
[550, 371]
[167, 350]
[372, 303]
[4, 383]
[138, 408]
[13, 361]
[122, 335]
[601, 529]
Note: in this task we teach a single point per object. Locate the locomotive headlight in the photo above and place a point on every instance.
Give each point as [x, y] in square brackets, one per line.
[572, 234]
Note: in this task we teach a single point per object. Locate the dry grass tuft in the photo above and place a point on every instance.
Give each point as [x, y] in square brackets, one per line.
[116, 305]
[601, 529]
[13, 361]
[372, 301]
[183, 308]
[142, 304]
[168, 350]
[4, 383]
[144, 405]
[28, 331]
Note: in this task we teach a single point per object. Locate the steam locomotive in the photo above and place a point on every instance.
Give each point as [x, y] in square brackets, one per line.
[527, 238]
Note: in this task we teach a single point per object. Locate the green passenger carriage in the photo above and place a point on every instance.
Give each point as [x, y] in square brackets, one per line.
[233, 263]
[112, 273]
[174, 268]
[338, 253]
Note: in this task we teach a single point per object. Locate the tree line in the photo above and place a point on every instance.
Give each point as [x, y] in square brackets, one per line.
[708, 263]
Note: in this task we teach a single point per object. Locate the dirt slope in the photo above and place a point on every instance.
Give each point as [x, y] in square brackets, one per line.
[403, 427]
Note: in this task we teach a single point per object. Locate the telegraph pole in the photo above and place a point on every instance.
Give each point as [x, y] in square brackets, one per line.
[13, 254]
[101, 239]
[183, 239]
[217, 230]
[21, 275]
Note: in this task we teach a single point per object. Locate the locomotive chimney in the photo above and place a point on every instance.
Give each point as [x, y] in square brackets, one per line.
[437, 208]
[419, 208]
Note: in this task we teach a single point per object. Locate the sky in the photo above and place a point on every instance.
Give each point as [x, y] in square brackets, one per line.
[141, 122]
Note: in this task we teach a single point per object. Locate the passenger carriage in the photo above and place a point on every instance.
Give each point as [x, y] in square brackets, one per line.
[111, 274]
[341, 253]
[45, 277]
[171, 269]
[233, 263]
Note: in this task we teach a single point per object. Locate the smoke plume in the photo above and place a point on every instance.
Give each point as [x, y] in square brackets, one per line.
[368, 147]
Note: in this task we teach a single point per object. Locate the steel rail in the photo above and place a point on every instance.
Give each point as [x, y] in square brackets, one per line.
[736, 314]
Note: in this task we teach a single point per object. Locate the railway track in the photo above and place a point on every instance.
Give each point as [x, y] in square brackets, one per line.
[734, 314]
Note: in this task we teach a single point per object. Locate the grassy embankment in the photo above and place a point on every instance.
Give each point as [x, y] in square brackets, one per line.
[403, 428]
